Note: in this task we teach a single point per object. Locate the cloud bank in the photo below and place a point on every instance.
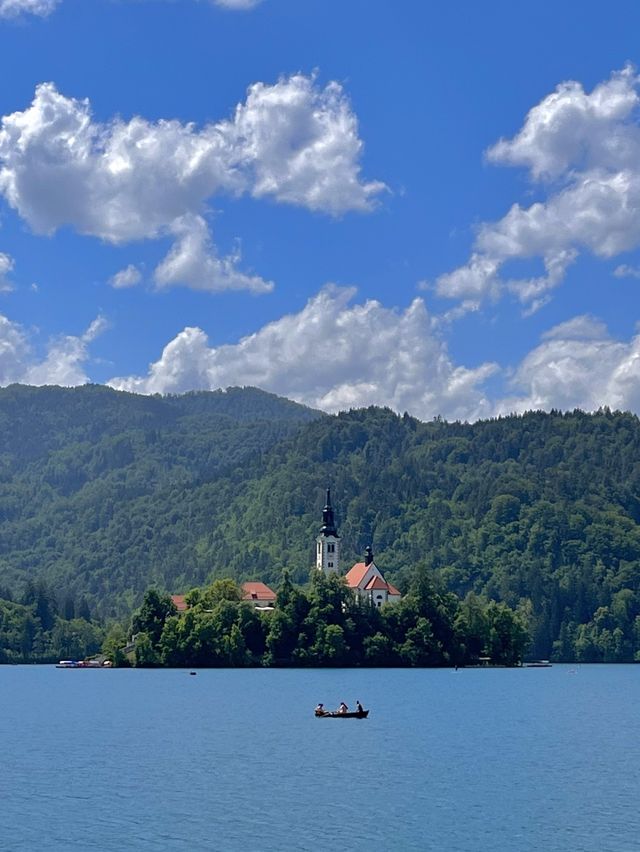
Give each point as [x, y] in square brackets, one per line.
[331, 355]
[337, 353]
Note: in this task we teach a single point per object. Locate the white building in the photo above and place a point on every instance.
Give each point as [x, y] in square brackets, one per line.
[367, 581]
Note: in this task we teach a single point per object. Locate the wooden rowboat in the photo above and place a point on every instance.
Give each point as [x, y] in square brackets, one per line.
[325, 714]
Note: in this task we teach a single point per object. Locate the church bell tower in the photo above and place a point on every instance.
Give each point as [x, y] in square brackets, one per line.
[328, 541]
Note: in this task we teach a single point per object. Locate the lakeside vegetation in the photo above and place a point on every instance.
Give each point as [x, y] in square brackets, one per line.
[37, 629]
[104, 495]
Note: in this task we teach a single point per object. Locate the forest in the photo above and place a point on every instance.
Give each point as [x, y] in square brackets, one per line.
[40, 630]
[104, 495]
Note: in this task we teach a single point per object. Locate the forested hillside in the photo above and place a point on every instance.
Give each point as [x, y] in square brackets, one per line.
[539, 511]
[97, 486]
[104, 494]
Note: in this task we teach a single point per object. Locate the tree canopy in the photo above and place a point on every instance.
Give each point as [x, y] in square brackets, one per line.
[326, 625]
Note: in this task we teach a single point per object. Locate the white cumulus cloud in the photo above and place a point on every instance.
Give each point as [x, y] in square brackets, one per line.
[193, 262]
[626, 271]
[14, 351]
[583, 150]
[63, 362]
[293, 141]
[577, 365]
[299, 144]
[127, 277]
[6, 268]
[14, 8]
[332, 355]
[237, 5]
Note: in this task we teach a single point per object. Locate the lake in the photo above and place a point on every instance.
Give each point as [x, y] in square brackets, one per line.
[467, 761]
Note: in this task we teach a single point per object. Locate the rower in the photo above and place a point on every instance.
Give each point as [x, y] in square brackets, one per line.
[359, 707]
[343, 708]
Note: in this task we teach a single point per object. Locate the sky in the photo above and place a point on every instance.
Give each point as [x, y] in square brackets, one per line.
[433, 207]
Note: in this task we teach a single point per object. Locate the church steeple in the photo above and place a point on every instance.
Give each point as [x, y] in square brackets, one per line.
[328, 521]
[328, 541]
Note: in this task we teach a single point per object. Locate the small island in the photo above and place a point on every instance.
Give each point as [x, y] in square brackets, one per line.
[358, 619]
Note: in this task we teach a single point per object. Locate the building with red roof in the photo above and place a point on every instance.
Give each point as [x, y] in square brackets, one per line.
[260, 595]
[180, 603]
[366, 581]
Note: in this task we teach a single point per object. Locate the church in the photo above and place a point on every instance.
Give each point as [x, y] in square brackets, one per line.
[365, 578]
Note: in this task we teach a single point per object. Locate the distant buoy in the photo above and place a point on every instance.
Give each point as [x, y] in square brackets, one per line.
[193, 673]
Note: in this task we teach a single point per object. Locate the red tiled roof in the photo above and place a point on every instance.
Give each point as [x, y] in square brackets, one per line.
[179, 602]
[355, 575]
[257, 592]
[375, 584]
[393, 590]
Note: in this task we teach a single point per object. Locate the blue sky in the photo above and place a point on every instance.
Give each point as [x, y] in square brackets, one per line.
[431, 207]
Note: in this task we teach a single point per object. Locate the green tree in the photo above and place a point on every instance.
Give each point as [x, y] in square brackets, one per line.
[146, 655]
[114, 644]
[507, 636]
[151, 616]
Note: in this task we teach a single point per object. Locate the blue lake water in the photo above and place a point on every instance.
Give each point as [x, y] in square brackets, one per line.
[467, 761]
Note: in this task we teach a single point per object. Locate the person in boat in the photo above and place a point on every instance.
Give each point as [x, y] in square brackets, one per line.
[343, 708]
[320, 708]
[359, 707]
